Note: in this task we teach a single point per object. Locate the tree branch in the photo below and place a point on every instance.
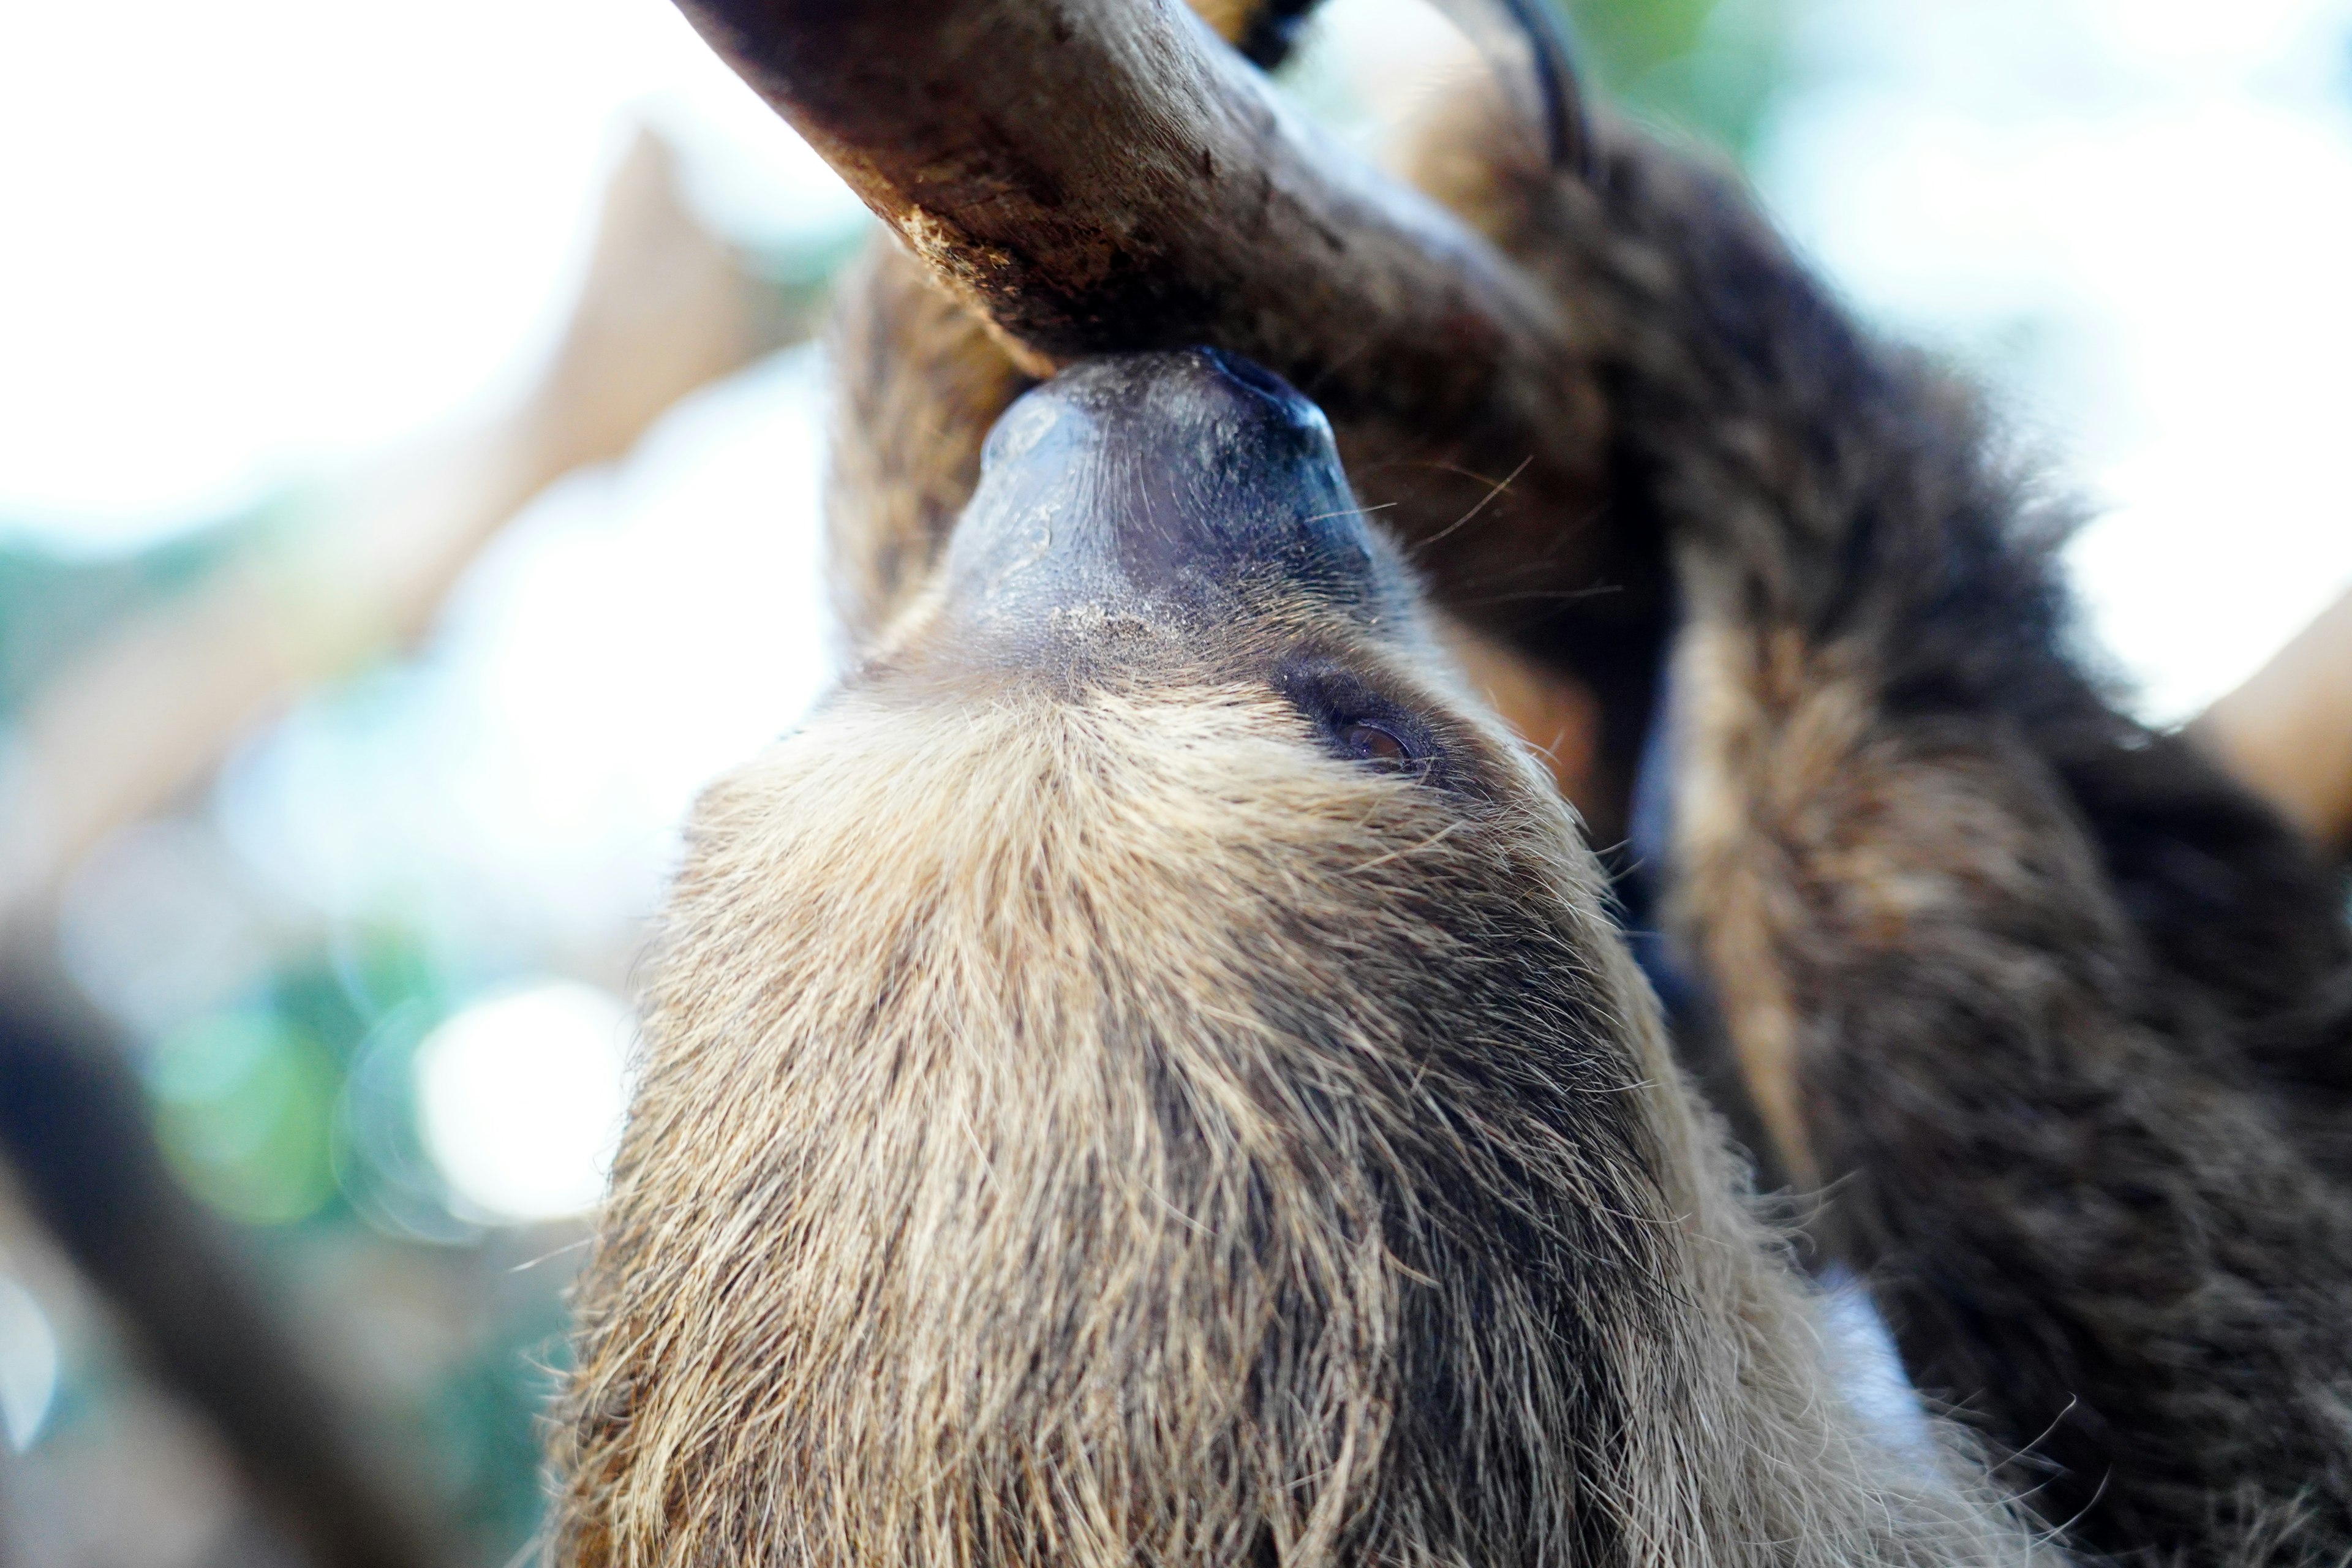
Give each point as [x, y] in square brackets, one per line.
[1100, 175]
[147, 715]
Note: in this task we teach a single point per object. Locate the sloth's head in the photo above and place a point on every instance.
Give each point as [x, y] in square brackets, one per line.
[1142, 1076]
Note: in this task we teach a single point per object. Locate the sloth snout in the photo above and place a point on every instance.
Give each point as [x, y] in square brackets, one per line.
[1178, 490]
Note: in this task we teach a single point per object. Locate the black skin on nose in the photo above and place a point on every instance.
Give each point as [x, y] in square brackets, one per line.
[1177, 491]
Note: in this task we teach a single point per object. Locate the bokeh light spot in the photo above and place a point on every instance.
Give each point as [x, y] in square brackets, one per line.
[28, 1365]
[520, 1098]
[244, 1107]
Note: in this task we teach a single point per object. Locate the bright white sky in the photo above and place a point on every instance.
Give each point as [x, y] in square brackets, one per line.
[246, 236]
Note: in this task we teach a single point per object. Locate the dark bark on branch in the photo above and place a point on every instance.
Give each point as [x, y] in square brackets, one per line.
[1103, 176]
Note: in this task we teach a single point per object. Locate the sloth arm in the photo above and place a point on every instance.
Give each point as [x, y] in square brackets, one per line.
[2056, 1012]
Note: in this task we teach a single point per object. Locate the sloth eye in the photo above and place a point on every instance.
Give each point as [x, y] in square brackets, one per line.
[1359, 723]
[1376, 747]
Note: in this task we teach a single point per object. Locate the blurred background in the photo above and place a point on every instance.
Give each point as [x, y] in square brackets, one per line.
[410, 440]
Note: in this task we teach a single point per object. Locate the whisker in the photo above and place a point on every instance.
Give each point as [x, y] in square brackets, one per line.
[1436, 465]
[1557, 596]
[550, 1256]
[1351, 511]
[1497, 488]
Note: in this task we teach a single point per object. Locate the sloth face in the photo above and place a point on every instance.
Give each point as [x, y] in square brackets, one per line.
[1142, 1074]
[1157, 522]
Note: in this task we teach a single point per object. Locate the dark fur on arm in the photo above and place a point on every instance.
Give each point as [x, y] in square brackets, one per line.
[2057, 1007]
[920, 382]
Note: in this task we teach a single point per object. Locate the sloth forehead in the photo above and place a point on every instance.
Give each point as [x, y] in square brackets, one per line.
[1171, 830]
[1165, 774]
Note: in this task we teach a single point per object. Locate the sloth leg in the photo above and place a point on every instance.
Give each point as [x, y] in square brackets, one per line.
[919, 382]
[2088, 1227]
[2057, 1010]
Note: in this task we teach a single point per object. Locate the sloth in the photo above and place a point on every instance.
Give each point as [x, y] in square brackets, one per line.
[1152, 1072]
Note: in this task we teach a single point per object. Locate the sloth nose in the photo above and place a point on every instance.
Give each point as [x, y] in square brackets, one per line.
[1176, 489]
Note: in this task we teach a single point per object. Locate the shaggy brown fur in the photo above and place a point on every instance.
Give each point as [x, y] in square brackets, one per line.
[1101, 1127]
[1109, 1131]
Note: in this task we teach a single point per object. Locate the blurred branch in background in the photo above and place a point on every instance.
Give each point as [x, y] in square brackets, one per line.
[75, 1124]
[141, 721]
[667, 308]
[2286, 733]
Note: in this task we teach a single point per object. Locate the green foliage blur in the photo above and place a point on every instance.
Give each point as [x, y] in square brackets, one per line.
[1709, 68]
